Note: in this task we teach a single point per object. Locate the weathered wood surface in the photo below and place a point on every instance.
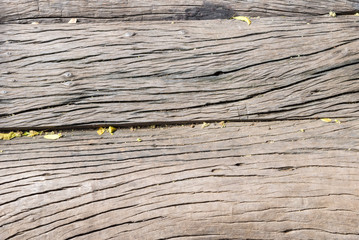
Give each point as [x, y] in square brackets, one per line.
[246, 181]
[113, 10]
[129, 73]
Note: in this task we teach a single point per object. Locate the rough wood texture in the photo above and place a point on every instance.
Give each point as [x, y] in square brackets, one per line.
[129, 73]
[114, 10]
[246, 181]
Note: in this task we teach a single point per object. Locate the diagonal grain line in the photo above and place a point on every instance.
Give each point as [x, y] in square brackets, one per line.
[113, 226]
[63, 60]
[320, 230]
[69, 223]
[38, 193]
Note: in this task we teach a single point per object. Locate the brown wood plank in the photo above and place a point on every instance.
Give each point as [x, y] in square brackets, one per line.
[263, 180]
[130, 73]
[113, 10]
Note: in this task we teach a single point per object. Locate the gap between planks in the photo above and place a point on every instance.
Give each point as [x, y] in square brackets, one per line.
[149, 125]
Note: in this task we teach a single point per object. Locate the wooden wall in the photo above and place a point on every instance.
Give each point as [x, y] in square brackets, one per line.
[275, 170]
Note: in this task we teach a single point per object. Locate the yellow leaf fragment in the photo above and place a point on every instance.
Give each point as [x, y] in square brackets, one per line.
[1, 151]
[9, 136]
[205, 125]
[337, 121]
[18, 134]
[101, 130]
[31, 133]
[326, 120]
[302, 130]
[223, 124]
[244, 19]
[111, 130]
[53, 136]
[332, 14]
[357, 14]
[73, 20]
[35, 23]
[139, 140]
[5, 136]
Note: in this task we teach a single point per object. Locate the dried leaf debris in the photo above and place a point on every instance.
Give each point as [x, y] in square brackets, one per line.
[109, 129]
[332, 14]
[101, 131]
[243, 18]
[53, 136]
[326, 120]
[30, 133]
[10, 135]
[204, 125]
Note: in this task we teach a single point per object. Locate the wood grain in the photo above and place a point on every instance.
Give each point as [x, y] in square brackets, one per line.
[263, 180]
[23, 11]
[84, 75]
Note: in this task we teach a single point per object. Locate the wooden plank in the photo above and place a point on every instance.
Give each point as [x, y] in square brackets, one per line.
[23, 11]
[265, 180]
[130, 73]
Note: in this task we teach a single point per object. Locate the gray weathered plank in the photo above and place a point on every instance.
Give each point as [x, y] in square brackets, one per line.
[263, 180]
[129, 73]
[114, 10]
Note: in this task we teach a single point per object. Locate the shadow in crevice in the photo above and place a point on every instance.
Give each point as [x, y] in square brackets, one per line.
[206, 12]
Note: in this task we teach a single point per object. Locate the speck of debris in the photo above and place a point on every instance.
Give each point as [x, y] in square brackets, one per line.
[68, 83]
[129, 34]
[73, 20]
[204, 125]
[68, 74]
